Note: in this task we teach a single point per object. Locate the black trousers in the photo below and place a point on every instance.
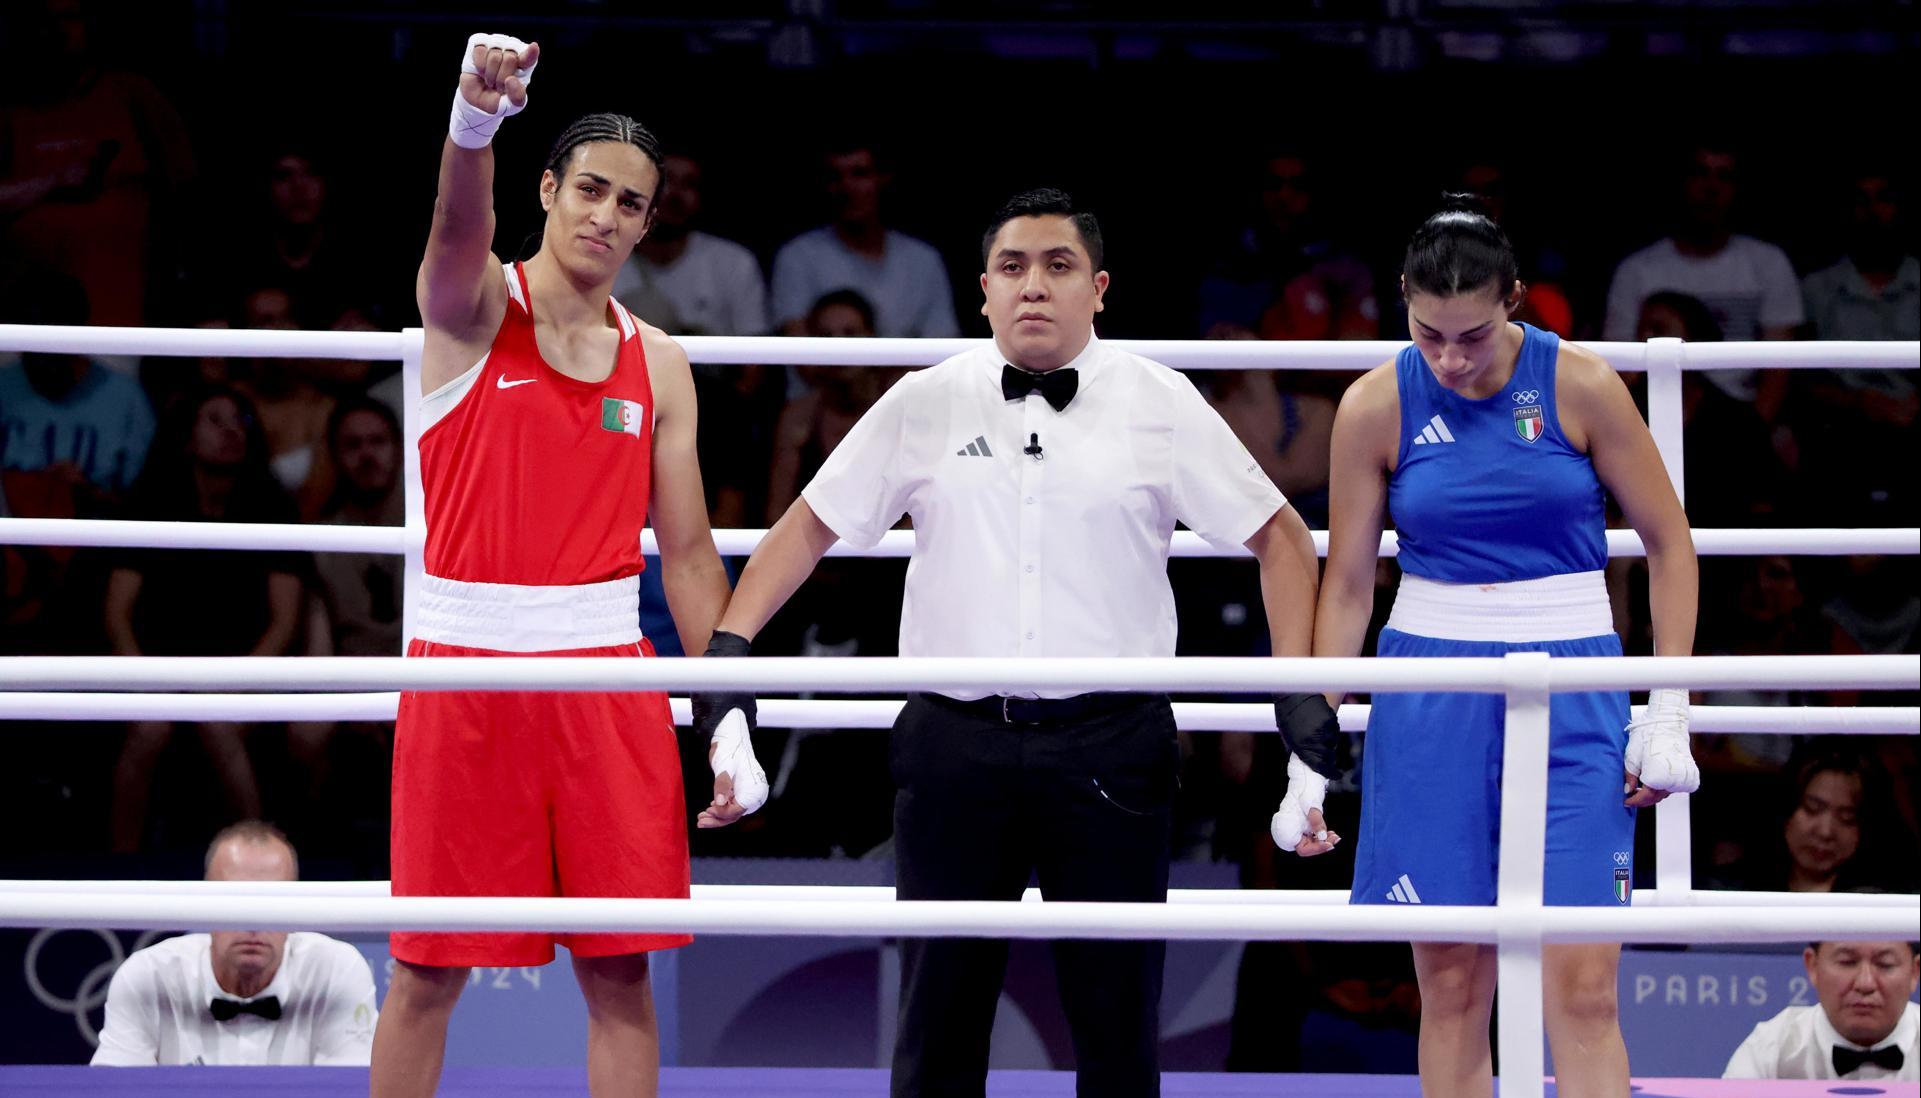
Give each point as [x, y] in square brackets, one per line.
[1084, 804]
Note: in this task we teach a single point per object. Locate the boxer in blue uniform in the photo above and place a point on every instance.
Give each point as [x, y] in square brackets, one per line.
[1492, 445]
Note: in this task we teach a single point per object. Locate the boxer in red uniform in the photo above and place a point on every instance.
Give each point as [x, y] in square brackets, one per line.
[555, 425]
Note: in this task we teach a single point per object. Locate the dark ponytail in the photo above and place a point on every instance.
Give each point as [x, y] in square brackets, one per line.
[1459, 250]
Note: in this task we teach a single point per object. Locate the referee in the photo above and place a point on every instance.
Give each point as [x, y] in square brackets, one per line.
[1044, 474]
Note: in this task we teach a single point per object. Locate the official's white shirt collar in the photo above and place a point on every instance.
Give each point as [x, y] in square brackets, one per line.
[1088, 362]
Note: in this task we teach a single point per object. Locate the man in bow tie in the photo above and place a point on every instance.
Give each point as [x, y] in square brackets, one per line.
[1045, 472]
[1864, 1027]
[242, 996]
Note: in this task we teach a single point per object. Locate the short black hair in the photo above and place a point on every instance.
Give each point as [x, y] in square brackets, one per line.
[1459, 250]
[1046, 202]
[852, 299]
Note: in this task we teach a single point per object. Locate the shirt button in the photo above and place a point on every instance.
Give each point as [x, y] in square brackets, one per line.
[1030, 568]
[1030, 634]
[1030, 499]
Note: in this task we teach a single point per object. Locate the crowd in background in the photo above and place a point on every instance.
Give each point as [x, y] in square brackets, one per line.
[111, 214]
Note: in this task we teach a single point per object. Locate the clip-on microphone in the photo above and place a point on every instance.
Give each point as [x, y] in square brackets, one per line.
[1033, 447]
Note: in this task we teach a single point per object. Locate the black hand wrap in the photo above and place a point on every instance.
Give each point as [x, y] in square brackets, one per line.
[711, 706]
[1310, 729]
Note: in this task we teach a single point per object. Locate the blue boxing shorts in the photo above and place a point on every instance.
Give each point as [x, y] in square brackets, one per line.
[1430, 830]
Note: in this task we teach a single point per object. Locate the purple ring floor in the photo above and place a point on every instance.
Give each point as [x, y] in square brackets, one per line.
[181, 1082]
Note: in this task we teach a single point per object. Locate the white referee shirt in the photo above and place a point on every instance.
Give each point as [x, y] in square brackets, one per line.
[1060, 555]
[158, 1008]
[1799, 1043]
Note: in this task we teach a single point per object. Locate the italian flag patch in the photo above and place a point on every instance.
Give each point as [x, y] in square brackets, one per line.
[623, 416]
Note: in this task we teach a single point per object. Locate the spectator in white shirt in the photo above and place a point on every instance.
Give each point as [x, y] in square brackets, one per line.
[904, 278]
[1044, 472]
[1864, 1027]
[688, 282]
[1748, 284]
[242, 996]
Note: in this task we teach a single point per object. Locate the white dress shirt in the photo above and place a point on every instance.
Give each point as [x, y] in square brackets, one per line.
[1799, 1042]
[158, 1008]
[1060, 555]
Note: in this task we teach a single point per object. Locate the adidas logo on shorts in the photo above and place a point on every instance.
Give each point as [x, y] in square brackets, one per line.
[1403, 892]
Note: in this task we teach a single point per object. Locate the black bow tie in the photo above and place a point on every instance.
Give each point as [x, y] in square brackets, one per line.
[1847, 1059]
[226, 1010]
[1057, 387]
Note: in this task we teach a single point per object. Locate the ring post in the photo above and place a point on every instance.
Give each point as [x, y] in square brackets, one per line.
[412, 343]
[1524, 754]
[1673, 822]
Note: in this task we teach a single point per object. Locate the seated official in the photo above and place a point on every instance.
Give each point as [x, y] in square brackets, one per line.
[242, 996]
[1864, 1027]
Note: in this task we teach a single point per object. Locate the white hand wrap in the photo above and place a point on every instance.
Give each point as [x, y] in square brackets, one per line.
[734, 756]
[1305, 790]
[1658, 744]
[471, 127]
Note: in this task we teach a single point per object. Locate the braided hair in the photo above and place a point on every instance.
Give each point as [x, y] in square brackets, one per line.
[604, 126]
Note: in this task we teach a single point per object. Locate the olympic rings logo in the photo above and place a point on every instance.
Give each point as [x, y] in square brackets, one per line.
[1527, 396]
[91, 995]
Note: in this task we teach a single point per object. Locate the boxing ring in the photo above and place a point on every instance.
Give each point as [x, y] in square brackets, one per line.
[280, 689]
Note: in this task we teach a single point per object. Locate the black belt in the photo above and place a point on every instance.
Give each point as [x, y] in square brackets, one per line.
[1044, 710]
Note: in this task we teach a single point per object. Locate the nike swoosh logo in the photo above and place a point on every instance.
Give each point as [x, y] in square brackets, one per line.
[503, 383]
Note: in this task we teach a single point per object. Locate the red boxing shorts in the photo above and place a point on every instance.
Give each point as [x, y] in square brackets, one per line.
[535, 794]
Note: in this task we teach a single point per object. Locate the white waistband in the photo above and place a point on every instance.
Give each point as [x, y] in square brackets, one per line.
[505, 617]
[1550, 608]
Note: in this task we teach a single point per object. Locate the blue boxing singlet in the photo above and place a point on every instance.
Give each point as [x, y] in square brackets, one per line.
[1503, 542]
[1486, 491]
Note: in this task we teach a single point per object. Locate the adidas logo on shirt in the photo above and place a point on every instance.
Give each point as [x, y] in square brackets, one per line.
[976, 448]
[1403, 890]
[1435, 431]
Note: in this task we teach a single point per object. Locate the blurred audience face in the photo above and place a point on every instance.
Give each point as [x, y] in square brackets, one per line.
[270, 307]
[219, 436]
[1863, 986]
[1772, 593]
[1876, 222]
[854, 182]
[296, 190]
[679, 205]
[838, 320]
[250, 955]
[1824, 830]
[367, 454]
[1709, 190]
[1286, 196]
[1042, 291]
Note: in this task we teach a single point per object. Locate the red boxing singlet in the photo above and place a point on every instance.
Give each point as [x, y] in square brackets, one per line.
[532, 477]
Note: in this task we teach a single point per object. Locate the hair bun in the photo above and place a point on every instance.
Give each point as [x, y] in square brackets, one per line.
[1463, 202]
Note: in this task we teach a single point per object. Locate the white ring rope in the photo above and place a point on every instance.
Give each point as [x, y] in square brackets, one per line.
[320, 538]
[1324, 897]
[1519, 925]
[976, 918]
[1184, 354]
[846, 714]
[1229, 674]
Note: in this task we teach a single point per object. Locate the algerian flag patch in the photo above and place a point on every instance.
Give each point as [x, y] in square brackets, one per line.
[624, 416]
